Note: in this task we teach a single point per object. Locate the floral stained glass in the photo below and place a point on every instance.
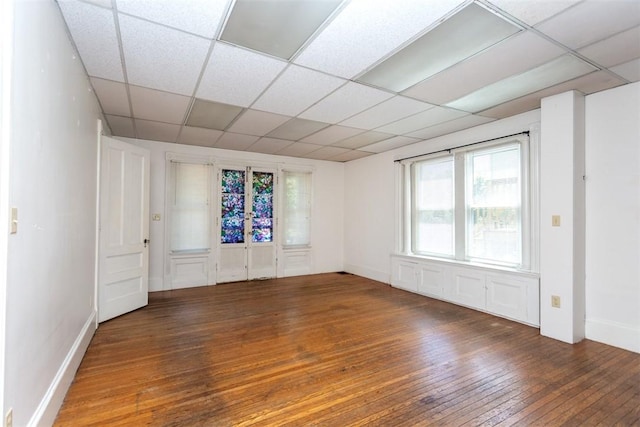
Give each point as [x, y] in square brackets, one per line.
[233, 206]
[262, 204]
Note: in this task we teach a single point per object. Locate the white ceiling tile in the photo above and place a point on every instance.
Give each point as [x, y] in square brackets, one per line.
[156, 131]
[158, 106]
[199, 136]
[161, 58]
[121, 126]
[94, 33]
[533, 12]
[269, 145]
[592, 20]
[212, 115]
[363, 139]
[298, 149]
[112, 95]
[451, 126]
[629, 70]
[103, 3]
[295, 90]
[258, 123]
[202, 17]
[237, 76]
[235, 141]
[331, 135]
[296, 129]
[593, 82]
[512, 56]
[367, 30]
[350, 99]
[618, 49]
[390, 144]
[421, 120]
[386, 112]
[325, 153]
[350, 155]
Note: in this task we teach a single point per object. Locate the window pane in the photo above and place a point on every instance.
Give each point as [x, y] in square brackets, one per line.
[262, 224]
[297, 208]
[493, 205]
[433, 231]
[190, 214]
[232, 209]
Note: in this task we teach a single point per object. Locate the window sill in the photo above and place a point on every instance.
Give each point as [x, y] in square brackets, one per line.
[476, 265]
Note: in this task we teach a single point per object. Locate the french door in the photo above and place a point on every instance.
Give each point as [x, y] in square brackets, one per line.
[246, 224]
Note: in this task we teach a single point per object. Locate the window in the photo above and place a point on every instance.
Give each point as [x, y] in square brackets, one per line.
[297, 209]
[190, 208]
[470, 204]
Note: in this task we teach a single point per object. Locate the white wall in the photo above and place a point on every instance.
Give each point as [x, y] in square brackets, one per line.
[327, 215]
[613, 217]
[50, 262]
[370, 195]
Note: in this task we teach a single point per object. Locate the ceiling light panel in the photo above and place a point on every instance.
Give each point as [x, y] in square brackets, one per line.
[212, 115]
[161, 58]
[298, 149]
[296, 129]
[325, 153]
[421, 120]
[112, 95]
[269, 145]
[199, 136]
[618, 49]
[276, 27]
[464, 34]
[201, 17]
[557, 71]
[533, 12]
[350, 155]
[331, 135]
[386, 112]
[257, 123]
[629, 70]
[94, 33]
[590, 83]
[295, 90]
[235, 141]
[121, 126]
[158, 106]
[509, 57]
[367, 30]
[237, 76]
[451, 126]
[155, 131]
[345, 102]
[591, 21]
[363, 139]
[390, 144]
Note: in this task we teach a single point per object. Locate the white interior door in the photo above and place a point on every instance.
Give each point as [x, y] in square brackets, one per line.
[246, 224]
[124, 228]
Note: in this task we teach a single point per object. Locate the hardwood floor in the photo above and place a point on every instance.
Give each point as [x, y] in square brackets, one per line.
[338, 350]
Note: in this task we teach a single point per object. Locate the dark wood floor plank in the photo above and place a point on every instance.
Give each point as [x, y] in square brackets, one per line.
[337, 350]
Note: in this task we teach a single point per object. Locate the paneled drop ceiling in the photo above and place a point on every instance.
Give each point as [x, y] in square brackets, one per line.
[340, 80]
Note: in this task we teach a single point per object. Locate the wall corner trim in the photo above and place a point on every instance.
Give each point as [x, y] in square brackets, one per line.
[51, 402]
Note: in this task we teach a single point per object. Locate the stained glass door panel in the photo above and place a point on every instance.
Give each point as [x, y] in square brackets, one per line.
[262, 205]
[233, 206]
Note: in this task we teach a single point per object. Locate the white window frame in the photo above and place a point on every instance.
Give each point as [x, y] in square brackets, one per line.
[283, 174]
[529, 203]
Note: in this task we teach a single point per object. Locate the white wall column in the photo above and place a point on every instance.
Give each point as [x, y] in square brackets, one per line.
[562, 195]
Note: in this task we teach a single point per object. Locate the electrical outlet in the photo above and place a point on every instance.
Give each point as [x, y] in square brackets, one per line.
[155, 217]
[555, 301]
[555, 220]
[8, 419]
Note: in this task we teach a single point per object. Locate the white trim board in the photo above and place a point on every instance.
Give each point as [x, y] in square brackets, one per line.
[613, 333]
[50, 404]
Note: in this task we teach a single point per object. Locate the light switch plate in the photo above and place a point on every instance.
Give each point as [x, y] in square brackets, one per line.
[155, 217]
[13, 221]
[555, 220]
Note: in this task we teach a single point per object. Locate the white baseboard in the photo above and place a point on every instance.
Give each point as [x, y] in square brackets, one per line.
[369, 273]
[156, 284]
[613, 333]
[50, 404]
